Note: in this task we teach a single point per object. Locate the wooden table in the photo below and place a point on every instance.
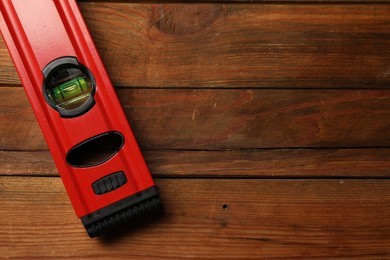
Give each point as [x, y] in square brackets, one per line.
[265, 124]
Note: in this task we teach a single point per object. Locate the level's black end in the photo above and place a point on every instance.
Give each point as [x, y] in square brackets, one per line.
[143, 204]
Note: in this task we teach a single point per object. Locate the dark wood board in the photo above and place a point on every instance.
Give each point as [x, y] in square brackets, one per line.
[218, 219]
[242, 1]
[238, 45]
[228, 119]
[256, 163]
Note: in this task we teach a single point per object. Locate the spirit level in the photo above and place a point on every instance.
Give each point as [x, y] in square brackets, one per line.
[75, 104]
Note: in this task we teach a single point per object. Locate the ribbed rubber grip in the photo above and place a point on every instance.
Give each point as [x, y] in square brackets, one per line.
[147, 207]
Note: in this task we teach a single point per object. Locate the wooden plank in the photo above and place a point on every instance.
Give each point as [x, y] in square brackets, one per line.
[228, 119]
[8, 73]
[241, 1]
[239, 45]
[292, 219]
[285, 163]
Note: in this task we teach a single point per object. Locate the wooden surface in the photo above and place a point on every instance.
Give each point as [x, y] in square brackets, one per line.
[209, 219]
[239, 45]
[266, 125]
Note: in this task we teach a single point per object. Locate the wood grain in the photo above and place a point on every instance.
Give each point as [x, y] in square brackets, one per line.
[228, 119]
[238, 45]
[241, 1]
[262, 219]
[274, 163]
[265, 123]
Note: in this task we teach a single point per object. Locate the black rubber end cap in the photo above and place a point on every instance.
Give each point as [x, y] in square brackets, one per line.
[143, 205]
[151, 206]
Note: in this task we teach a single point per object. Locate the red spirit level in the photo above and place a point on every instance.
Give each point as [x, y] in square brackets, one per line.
[75, 104]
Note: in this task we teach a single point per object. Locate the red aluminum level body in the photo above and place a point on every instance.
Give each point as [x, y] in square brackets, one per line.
[76, 106]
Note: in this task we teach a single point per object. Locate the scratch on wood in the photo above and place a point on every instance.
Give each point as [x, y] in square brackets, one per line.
[250, 95]
[324, 115]
[194, 114]
[386, 73]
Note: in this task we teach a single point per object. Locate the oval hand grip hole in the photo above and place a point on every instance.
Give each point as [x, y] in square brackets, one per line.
[95, 150]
